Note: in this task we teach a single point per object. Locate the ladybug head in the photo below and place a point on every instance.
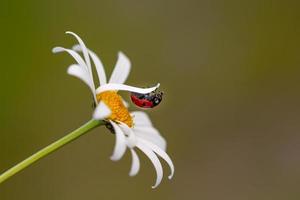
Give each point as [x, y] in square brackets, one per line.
[157, 98]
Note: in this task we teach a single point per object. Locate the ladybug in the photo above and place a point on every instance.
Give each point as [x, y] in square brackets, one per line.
[148, 100]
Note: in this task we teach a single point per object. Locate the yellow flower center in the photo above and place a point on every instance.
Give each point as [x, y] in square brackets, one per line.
[119, 112]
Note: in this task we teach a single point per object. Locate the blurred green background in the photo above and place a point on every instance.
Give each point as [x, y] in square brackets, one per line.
[230, 72]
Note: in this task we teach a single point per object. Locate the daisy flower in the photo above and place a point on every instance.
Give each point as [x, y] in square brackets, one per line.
[133, 130]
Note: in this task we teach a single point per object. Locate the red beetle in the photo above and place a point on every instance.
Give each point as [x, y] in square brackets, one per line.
[148, 100]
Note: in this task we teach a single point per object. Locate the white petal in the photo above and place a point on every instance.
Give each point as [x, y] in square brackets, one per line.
[115, 86]
[98, 64]
[135, 166]
[161, 153]
[131, 139]
[155, 161]
[84, 50]
[102, 111]
[79, 72]
[152, 135]
[141, 119]
[74, 54]
[120, 146]
[121, 70]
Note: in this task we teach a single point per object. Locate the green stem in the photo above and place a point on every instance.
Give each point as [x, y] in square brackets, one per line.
[50, 148]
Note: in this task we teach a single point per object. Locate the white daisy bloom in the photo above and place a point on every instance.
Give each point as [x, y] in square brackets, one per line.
[133, 130]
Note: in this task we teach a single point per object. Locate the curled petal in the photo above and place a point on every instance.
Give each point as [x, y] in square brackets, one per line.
[141, 118]
[135, 166]
[74, 54]
[121, 70]
[120, 146]
[115, 86]
[98, 64]
[150, 134]
[102, 111]
[161, 153]
[84, 51]
[81, 73]
[155, 161]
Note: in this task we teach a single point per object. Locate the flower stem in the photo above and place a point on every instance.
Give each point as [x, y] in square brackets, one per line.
[51, 148]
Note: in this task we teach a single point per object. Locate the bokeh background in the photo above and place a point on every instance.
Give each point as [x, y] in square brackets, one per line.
[231, 115]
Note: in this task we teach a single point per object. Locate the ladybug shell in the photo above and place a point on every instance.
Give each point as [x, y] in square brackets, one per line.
[141, 102]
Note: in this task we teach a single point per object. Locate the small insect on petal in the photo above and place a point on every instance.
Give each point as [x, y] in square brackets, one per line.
[148, 100]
